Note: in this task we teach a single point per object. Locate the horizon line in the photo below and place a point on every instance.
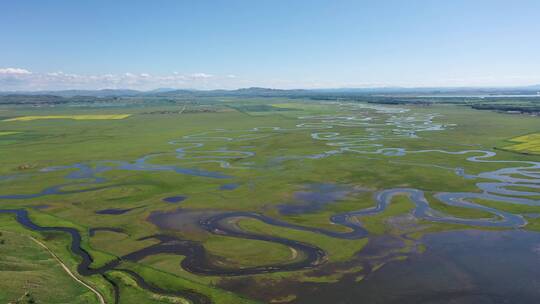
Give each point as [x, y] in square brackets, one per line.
[527, 86]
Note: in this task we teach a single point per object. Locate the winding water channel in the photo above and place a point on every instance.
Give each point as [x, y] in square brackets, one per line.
[501, 187]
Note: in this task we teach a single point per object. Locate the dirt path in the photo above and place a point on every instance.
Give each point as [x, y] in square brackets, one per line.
[71, 274]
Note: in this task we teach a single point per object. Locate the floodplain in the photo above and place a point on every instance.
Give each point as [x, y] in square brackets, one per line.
[269, 200]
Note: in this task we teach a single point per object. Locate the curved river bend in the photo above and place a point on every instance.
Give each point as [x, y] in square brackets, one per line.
[522, 174]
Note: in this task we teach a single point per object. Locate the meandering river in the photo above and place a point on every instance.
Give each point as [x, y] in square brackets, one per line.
[517, 183]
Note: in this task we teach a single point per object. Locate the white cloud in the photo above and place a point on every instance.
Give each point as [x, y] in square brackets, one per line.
[201, 75]
[24, 80]
[14, 71]
[21, 79]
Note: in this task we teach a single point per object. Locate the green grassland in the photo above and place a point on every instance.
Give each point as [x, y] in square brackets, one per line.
[27, 271]
[265, 182]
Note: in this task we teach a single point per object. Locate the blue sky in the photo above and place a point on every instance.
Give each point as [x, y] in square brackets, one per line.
[286, 44]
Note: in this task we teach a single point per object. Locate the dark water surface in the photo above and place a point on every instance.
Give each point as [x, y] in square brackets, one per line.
[175, 199]
[114, 211]
[231, 186]
[466, 267]
[314, 198]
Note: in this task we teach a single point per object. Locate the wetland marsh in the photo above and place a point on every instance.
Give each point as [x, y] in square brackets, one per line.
[277, 200]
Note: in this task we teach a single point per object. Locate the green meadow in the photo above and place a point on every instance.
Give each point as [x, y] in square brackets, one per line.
[270, 158]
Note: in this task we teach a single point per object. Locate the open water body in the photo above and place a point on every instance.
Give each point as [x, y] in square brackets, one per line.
[465, 267]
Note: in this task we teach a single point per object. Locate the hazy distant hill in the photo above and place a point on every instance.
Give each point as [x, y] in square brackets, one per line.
[268, 92]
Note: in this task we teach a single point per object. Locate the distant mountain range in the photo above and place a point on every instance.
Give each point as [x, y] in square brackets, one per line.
[268, 92]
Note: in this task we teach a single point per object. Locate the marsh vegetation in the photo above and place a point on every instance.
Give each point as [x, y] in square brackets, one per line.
[265, 200]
